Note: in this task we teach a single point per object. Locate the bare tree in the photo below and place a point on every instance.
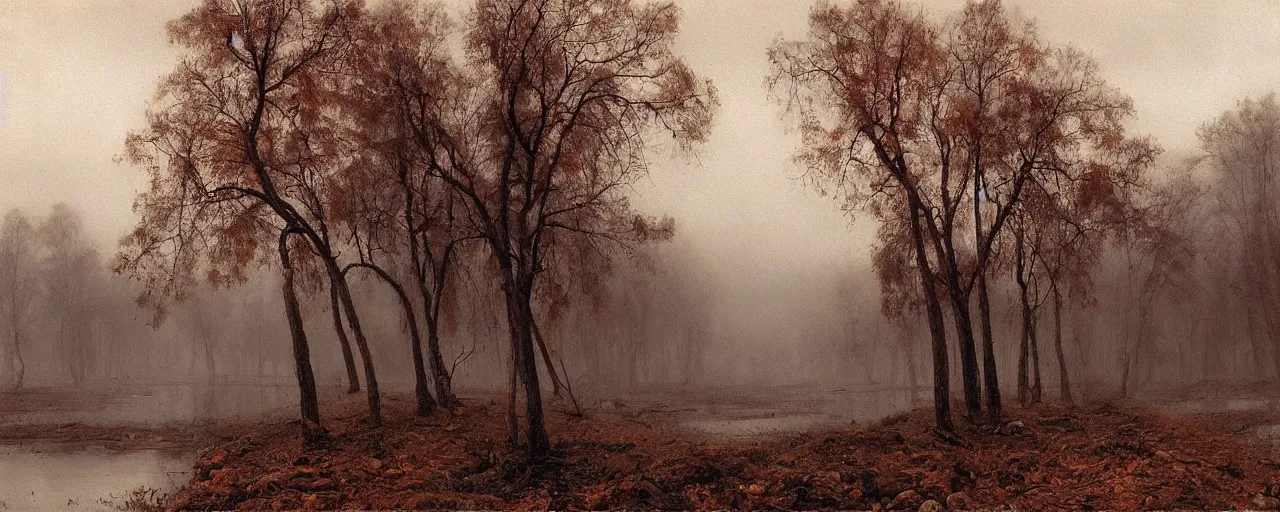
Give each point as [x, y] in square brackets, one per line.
[18, 285]
[69, 272]
[1241, 150]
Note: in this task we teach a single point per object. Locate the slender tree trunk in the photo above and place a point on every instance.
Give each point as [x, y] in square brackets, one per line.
[963, 317]
[430, 304]
[546, 358]
[968, 351]
[312, 431]
[991, 381]
[912, 377]
[1124, 376]
[211, 369]
[1028, 325]
[353, 379]
[937, 331]
[1024, 353]
[1037, 390]
[1256, 341]
[513, 394]
[20, 371]
[1128, 354]
[1064, 380]
[425, 403]
[431, 311]
[443, 380]
[362, 344]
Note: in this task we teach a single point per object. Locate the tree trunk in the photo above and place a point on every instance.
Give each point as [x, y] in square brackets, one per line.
[1256, 341]
[1037, 391]
[1128, 354]
[430, 308]
[1024, 353]
[937, 331]
[440, 375]
[1064, 380]
[19, 366]
[211, 369]
[991, 382]
[513, 417]
[431, 312]
[362, 344]
[546, 358]
[425, 403]
[353, 379]
[968, 351]
[912, 377]
[518, 290]
[312, 432]
[1028, 324]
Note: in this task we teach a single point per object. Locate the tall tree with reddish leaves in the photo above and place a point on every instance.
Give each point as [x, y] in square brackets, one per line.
[892, 112]
[239, 153]
[544, 132]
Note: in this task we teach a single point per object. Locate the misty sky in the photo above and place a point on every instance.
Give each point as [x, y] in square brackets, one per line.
[75, 77]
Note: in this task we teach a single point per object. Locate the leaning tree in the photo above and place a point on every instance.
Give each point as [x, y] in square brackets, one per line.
[239, 155]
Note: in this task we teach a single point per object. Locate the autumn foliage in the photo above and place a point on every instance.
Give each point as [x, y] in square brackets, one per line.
[332, 137]
[919, 123]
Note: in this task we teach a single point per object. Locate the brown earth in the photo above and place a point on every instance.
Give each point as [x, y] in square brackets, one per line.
[1095, 457]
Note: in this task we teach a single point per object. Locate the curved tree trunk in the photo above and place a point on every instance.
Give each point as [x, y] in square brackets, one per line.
[312, 432]
[362, 344]
[353, 379]
[425, 403]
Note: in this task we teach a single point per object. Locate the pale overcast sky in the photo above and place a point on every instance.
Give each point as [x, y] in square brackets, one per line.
[75, 76]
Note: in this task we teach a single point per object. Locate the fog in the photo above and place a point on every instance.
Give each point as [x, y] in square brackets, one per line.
[765, 283]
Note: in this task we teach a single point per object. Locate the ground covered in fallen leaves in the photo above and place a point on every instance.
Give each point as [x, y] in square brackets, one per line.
[1047, 457]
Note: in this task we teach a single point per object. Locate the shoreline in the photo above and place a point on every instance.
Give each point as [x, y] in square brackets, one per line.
[1047, 456]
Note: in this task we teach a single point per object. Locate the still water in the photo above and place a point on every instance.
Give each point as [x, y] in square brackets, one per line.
[77, 476]
[36, 479]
